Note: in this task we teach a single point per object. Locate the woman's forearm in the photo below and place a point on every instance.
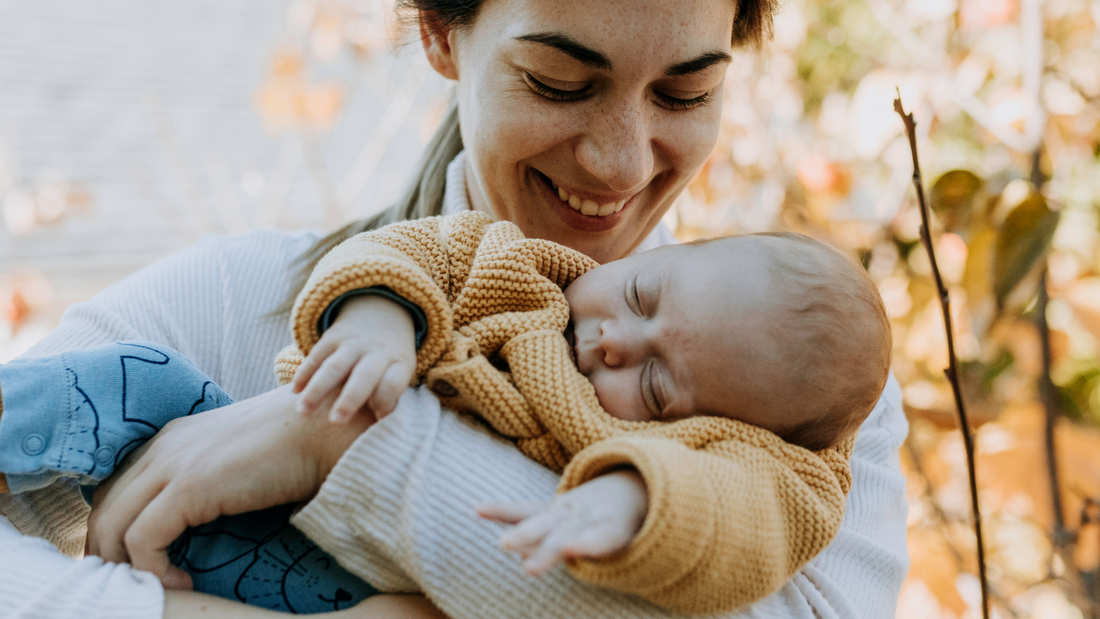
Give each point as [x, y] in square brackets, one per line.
[191, 605]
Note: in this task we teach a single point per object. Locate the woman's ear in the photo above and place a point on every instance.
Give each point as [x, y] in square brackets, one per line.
[437, 41]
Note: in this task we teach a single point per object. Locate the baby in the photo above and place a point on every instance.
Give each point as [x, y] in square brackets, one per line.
[733, 373]
[701, 405]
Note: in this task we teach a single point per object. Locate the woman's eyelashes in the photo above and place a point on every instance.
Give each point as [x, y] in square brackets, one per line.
[676, 103]
[577, 94]
[556, 94]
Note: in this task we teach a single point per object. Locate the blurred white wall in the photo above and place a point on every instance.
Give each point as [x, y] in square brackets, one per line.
[130, 128]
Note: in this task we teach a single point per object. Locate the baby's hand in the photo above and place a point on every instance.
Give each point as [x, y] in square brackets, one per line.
[594, 520]
[368, 354]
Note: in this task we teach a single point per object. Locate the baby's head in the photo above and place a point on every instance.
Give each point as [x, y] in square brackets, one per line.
[777, 330]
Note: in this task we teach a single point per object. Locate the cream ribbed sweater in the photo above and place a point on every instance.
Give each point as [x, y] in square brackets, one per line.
[734, 511]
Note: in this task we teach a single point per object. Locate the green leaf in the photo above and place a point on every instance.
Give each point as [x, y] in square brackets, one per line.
[952, 197]
[1023, 239]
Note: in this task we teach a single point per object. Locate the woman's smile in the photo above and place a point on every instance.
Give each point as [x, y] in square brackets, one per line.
[582, 211]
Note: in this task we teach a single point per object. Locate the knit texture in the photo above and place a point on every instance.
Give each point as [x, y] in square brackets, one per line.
[734, 510]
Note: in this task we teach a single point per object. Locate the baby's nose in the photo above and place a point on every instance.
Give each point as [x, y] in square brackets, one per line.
[619, 345]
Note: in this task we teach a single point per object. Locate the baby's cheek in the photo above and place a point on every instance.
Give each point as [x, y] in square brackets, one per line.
[619, 392]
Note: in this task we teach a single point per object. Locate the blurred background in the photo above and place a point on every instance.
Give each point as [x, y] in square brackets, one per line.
[129, 129]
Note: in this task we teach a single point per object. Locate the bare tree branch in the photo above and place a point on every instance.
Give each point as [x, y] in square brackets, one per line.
[952, 371]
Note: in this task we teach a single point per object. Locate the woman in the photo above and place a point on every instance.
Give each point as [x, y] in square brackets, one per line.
[581, 120]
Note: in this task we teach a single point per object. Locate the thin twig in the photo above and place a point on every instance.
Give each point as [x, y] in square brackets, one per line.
[1047, 393]
[1050, 406]
[952, 371]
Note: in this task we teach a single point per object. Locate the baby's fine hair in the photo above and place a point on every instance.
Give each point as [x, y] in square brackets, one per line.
[834, 336]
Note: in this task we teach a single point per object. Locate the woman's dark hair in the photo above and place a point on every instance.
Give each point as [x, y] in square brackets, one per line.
[424, 198]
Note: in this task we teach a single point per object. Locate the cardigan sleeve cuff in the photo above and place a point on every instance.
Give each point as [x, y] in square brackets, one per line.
[678, 533]
[368, 265]
[420, 321]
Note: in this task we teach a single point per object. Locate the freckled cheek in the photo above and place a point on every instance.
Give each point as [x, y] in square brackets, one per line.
[619, 392]
[689, 140]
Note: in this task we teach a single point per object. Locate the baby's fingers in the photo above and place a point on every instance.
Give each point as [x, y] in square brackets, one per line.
[328, 378]
[389, 390]
[551, 551]
[596, 542]
[531, 531]
[511, 513]
[311, 363]
[358, 389]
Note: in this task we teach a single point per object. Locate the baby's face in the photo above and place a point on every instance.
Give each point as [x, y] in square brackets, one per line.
[680, 331]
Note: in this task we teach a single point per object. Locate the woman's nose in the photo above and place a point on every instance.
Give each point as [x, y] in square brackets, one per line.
[617, 147]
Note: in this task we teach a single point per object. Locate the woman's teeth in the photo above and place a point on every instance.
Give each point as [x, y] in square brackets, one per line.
[589, 207]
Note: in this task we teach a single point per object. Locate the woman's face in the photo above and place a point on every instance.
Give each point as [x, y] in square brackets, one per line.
[584, 119]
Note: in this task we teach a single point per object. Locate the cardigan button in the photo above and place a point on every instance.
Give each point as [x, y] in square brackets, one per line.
[444, 389]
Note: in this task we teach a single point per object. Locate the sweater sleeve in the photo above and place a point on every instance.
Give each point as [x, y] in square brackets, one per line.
[410, 258]
[728, 524]
[46, 583]
[429, 468]
[212, 303]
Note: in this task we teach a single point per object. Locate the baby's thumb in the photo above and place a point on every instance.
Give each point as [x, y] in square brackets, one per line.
[596, 543]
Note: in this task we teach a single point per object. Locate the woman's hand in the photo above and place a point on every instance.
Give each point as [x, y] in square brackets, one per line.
[251, 455]
[367, 356]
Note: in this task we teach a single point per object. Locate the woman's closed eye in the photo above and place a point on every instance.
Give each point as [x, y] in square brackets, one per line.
[557, 94]
[678, 103]
[664, 99]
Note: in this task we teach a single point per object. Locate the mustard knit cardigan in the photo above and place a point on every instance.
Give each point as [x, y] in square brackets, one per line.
[734, 511]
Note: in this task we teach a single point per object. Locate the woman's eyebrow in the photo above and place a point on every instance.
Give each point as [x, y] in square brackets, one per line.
[695, 65]
[596, 60]
[561, 42]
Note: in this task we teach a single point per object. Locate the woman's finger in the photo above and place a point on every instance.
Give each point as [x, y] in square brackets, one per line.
[164, 519]
[312, 362]
[328, 378]
[117, 502]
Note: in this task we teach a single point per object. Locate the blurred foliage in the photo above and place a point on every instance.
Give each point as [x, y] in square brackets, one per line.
[1005, 96]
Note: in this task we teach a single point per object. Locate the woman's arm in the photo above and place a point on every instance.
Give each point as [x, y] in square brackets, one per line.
[190, 605]
[46, 583]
